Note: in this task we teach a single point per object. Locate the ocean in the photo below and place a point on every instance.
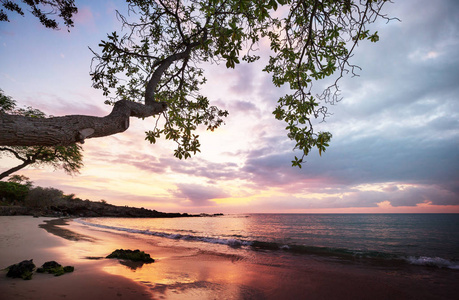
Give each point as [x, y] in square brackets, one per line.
[430, 240]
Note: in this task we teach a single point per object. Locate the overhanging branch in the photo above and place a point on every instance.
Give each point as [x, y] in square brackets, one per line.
[16, 130]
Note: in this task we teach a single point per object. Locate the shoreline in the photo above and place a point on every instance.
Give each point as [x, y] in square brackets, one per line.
[181, 272]
[21, 238]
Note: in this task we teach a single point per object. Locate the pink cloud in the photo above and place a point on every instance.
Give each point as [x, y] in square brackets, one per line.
[75, 104]
[85, 17]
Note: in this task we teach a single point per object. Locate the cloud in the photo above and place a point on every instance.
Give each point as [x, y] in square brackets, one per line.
[244, 81]
[213, 171]
[198, 195]
[85, 17]
[366, 160]
[244, 106]
[407, 196]
[72, 103]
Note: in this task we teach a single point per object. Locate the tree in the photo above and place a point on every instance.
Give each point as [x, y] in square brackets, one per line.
[21, 179]
[15, 189]
[66, 9]
[155, 69]
[40, 197]
[68, 157]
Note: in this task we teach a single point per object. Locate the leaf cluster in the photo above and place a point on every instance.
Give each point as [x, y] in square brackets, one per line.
[42, 9]
[13, 192]
[164, 44]
[313, 41]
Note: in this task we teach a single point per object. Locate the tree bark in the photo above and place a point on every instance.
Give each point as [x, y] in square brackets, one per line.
[18, 130]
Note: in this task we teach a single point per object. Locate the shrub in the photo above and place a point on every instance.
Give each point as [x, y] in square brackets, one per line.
[42, 197]
[11, 192]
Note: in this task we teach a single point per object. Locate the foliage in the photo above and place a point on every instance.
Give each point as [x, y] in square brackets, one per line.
[21, 179]
[13, 192]
[68, 158]
[6, 102]
[40, 197]
[160, 57]
[65, 9]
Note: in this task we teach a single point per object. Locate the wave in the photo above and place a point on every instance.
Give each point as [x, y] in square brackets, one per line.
[433, 261]
[175, 236]
[292, 248]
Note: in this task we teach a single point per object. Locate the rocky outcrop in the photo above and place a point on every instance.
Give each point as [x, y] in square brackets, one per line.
[14, 210]
[86, 208]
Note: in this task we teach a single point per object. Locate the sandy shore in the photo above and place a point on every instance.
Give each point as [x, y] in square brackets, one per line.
[190, 273]
[21, 238]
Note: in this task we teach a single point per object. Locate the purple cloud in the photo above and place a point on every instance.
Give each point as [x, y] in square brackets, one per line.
[199, 195]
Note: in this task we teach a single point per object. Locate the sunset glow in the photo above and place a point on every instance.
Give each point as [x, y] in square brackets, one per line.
[395, 145]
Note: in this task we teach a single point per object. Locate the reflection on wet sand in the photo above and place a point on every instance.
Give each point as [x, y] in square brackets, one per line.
[197, 276]
[54, 227]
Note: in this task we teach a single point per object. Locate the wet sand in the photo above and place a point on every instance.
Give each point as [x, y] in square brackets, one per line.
[21, 238]
[182, 272]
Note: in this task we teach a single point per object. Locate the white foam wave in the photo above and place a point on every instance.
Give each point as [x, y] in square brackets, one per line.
[433, 261]
[175, 236]
[236, 243]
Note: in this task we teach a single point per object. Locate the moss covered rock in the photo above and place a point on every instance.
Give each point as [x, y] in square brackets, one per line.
[133, 255]
[23, 270]
[55, 268]
[69, 269]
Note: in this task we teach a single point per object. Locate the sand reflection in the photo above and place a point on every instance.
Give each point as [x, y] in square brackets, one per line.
[191, 276]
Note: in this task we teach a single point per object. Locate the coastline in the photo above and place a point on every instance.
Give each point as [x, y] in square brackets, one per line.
[180, 272]
[21, 238]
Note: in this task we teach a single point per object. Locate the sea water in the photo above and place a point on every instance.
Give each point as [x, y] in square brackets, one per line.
[416, 239]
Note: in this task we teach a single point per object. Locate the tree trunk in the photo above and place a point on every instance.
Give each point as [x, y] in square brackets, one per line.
[18, 130]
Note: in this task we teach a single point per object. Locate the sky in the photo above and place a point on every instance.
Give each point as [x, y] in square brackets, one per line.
[395, 145]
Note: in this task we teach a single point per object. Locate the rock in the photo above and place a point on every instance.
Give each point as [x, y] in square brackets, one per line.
[22, 270]
[94, 257]
[68, 269]
[55, 268]
[134, 255]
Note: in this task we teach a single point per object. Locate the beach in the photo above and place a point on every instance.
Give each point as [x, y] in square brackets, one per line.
[182, 272]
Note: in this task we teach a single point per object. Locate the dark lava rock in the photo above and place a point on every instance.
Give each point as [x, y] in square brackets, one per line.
[133, 255]
[23, 270]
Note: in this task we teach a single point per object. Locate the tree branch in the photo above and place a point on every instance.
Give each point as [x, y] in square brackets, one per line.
[164, 65]
[12, 170]
[16, 130]
[13, 152]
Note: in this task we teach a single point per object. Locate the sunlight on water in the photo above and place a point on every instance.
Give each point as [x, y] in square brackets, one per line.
[362, 235]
